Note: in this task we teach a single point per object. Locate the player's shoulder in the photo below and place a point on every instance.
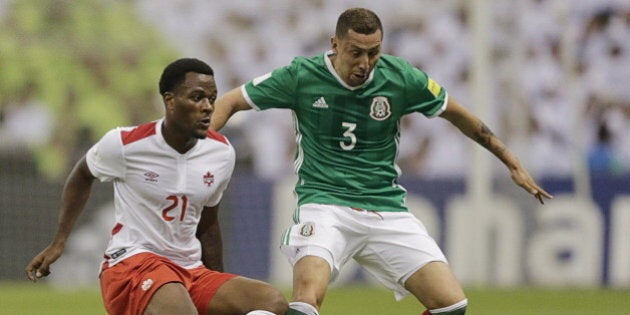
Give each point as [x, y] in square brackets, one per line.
[308, 61]
[393, 62]
[129, 135]
[397, 67]
[217, 137]
[218, 144]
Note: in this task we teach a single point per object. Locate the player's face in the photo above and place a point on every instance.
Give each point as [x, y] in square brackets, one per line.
[355, 56]
[190, 106]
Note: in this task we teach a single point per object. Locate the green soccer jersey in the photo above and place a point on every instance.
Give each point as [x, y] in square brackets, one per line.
[348, 137]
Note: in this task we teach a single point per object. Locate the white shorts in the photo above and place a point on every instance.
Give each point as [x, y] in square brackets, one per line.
[389, 245]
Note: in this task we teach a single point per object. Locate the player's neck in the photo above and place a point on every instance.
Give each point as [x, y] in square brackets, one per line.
[179, 141]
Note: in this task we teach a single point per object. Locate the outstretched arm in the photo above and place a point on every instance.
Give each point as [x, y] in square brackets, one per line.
[73, 199]
[475, 129]
[225, 106]
[209, 234]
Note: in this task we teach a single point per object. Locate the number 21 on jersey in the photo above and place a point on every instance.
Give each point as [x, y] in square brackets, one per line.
[175, 202]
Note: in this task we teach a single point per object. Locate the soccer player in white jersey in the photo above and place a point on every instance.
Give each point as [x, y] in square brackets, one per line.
[165, 251]
[347, 105]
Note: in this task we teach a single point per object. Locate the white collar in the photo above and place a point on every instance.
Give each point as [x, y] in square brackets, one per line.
[342, 82]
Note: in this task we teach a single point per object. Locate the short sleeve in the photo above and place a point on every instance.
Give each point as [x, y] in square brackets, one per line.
[424, 95]
[275, 89]
[105, 158]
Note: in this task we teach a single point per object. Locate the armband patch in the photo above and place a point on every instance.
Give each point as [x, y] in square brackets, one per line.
[434, 87]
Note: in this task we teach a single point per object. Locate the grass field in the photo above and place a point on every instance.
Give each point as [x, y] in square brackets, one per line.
[28, 298]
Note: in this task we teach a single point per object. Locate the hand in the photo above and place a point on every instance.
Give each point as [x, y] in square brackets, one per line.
[522, 178]
[40, 265]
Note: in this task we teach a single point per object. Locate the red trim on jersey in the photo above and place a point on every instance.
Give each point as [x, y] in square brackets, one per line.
[138, 133]
[117, 228]
[216, 136]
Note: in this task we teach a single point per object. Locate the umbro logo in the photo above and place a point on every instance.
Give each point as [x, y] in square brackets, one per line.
[320, 103]
[151, 176]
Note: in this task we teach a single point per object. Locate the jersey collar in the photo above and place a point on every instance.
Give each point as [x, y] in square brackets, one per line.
[332, 70]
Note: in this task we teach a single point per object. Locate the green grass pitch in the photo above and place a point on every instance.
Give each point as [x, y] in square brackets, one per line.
[29, 298]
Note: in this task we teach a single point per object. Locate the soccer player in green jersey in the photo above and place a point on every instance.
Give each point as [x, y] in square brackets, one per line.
[347, 104]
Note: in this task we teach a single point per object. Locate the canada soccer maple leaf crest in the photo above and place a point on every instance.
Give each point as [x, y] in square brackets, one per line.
[208, 179]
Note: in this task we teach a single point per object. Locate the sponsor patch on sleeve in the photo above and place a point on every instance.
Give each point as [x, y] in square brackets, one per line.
[434, 87]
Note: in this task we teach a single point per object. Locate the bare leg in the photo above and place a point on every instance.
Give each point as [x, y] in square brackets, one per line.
[241, 295]
[171, 298]
[311, 275]
[435, 286]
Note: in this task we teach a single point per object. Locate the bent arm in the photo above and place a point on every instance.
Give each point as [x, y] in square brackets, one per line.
[475, 129]
[226, 105]
[75, 194]
[209, 234]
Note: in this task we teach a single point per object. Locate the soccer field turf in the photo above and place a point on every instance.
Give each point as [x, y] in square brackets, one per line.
[29, 298]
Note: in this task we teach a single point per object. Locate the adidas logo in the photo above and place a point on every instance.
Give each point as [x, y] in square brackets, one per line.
[320, 103]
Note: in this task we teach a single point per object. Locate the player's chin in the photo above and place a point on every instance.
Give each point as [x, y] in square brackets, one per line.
[200, 133]
[356, 80]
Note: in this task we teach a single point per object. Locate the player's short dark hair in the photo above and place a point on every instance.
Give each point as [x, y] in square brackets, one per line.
[175, 73]
[360, 20]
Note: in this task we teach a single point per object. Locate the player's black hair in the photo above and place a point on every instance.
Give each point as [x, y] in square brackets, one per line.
[175, 73]
[360, 20]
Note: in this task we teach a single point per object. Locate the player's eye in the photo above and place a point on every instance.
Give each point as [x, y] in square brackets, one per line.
[197, 97]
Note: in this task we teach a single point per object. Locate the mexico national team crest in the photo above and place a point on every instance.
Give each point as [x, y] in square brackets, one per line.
[307, 229]
[380, 109]
[208, 179]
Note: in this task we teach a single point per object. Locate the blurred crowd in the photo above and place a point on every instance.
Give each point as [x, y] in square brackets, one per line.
[560, 73]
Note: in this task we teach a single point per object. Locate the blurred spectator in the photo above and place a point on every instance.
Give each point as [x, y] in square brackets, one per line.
[26, 121]
[601, 156]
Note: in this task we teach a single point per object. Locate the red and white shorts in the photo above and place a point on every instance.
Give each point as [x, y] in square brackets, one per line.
[128, 286]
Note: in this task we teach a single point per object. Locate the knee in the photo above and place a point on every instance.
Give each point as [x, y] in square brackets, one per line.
[274, 301]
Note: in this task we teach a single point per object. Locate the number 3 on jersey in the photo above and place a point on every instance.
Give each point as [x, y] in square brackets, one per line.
[174, 203]
[350, 127]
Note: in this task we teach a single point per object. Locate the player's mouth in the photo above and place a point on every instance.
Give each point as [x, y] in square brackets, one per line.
[204, 123]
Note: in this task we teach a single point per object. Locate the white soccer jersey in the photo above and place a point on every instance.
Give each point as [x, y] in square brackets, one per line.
[159, 194]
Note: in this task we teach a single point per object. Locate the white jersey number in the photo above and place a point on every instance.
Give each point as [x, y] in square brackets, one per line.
[348, 134]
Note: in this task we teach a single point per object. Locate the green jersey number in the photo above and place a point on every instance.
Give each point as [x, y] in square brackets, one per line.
[348, 134]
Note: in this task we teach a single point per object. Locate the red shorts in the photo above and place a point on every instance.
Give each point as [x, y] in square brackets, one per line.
[128, 286]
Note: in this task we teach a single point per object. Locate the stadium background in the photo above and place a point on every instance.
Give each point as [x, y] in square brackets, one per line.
[550, 77]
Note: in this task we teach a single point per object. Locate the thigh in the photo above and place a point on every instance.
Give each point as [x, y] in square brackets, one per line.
[240, 295]
[205, 285]
[324, 231]
[398, 246]
[171, 298]
[435, 286]
[129, 286]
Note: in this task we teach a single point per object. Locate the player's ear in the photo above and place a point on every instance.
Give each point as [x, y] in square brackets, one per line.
[333, 44]
[169, 100]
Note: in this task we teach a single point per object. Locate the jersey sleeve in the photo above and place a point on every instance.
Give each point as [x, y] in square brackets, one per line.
[275, 89]
[105, 158]
[424, 95]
